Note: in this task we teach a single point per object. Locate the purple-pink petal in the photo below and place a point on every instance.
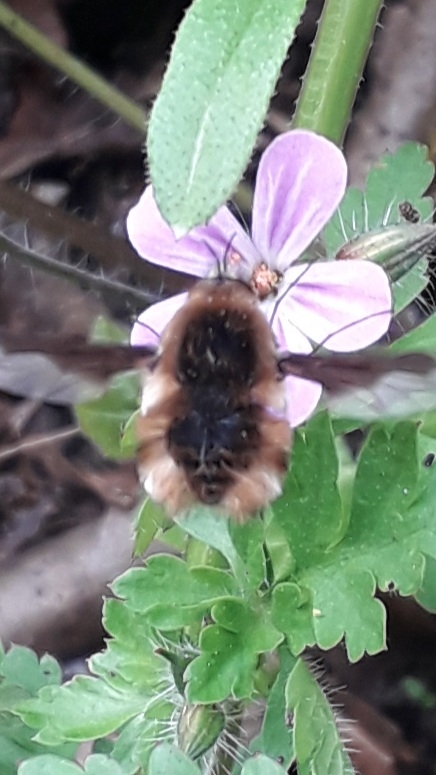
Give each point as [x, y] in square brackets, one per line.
[150, 324]
[300, 182]
[302, 395]
[199, 253]
[343, 305]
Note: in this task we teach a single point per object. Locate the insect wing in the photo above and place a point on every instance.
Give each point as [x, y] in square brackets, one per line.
[63, 370]
[368, 387]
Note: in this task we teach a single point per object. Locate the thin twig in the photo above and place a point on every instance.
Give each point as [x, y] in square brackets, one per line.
[36, 440]
[80, 73]
[111, 251]
[80, 277]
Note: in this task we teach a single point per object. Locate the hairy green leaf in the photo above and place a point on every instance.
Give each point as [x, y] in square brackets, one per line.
[224, 65]
[276, 737]
[318, 748]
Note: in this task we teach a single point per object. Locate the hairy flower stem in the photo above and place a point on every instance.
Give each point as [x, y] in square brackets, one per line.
[335, 67]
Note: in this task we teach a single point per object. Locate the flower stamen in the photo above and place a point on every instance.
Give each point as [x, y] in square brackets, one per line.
[265, 281]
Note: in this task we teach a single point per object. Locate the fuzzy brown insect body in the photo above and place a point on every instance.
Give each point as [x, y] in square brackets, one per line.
[213, 427]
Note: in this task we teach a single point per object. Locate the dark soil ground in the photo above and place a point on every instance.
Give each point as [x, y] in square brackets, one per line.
[69, 172]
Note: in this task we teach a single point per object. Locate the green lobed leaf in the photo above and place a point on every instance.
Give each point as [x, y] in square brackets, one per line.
[420, 339]
[278, 550]
[318, 748]
[98, 764]
[343, 585]
[172, 594]
[16, 744]
[167, 759]
[223, 68]
[262, 765]
[292, 613]
[55, 765]
[247, 539]
[427, 422]
[103, 418]
[49, 765]
[211, 528]
[21, 676]
[390, 526]
[21, 666]
[149, 519]
[385, 487]
[241, 545]
[130, 655]
[128, 439]
[82, 709]
[230, 650]
[311, 483]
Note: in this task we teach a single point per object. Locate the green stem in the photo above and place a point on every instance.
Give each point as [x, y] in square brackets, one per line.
[335, 67]
[77, 71]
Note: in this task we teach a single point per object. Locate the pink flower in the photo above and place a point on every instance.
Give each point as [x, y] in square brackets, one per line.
[344, 305]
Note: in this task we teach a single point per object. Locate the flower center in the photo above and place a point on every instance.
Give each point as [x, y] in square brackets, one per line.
[265, 281]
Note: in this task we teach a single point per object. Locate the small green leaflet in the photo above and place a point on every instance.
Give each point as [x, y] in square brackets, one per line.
[21, 677]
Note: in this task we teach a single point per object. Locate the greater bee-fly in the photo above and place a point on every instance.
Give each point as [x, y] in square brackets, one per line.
[212, 428]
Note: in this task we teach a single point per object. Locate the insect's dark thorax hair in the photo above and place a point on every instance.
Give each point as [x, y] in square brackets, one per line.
[217, 430]
[217, 377]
